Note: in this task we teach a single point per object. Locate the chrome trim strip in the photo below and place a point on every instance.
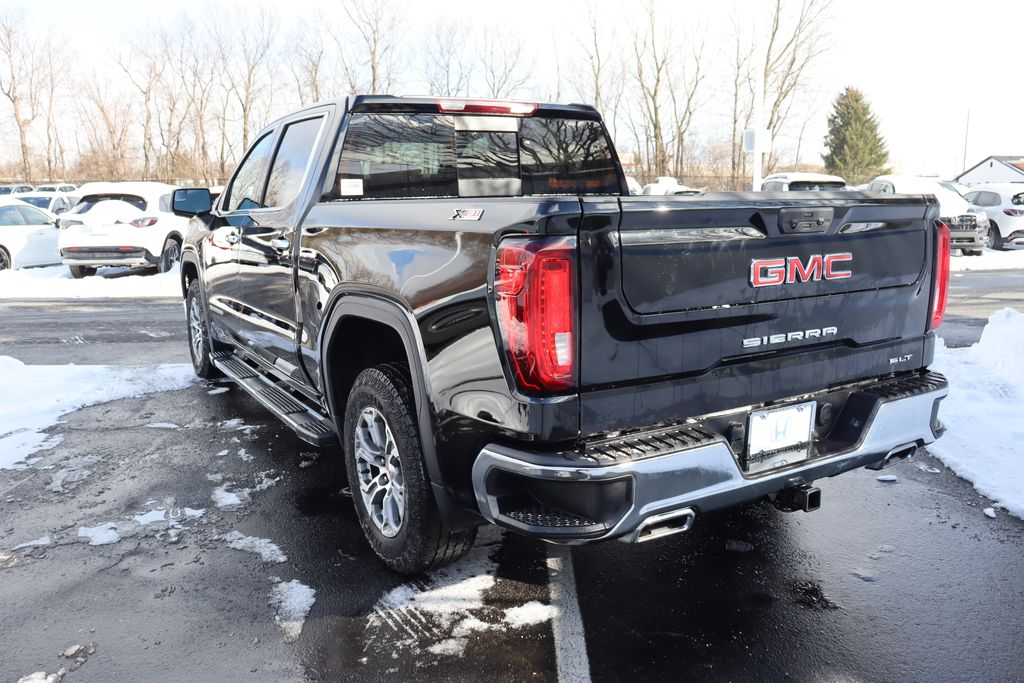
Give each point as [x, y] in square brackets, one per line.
[634, 238]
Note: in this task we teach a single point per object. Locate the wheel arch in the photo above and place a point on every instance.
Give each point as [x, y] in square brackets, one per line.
[378, 310]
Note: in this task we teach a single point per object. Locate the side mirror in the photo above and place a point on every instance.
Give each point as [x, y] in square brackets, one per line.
[191, 202]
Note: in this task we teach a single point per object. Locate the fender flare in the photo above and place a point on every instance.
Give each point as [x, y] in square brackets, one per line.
[386, 310]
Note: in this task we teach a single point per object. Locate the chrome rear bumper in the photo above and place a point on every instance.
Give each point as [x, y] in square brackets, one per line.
[894, 416]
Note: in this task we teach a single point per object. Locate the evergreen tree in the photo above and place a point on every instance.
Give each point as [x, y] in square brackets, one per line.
[856, 151]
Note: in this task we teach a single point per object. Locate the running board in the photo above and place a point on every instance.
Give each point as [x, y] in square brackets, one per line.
[308, 423]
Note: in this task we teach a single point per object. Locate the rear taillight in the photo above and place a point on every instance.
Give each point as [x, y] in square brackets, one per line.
[1014, 212]
[63, 223]
[143, 222]
[533, 292]
[942, 249]
[507, 107]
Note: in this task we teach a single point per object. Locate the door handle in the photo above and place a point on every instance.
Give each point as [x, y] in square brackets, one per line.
[280, 244]
[231, 238]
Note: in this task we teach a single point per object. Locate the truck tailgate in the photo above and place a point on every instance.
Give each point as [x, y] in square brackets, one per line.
[696, 305]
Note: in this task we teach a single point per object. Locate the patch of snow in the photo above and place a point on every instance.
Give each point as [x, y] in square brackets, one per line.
[218, 390]
[925, 468]
[244, 455]
[45, 540]
[75, 471]
[162, 425]
[529, 613]
[989, 512]
[151, 517]
[223, 453]
[264, 547]
[104, 534]
[36, 396]
[223, 498]
[888, 478]
[194, 513]
[293, 601]
[160, 334]
[40, 677]
[984, 439]
[451, 647]
[1011, 259]
[264, 481]
[233, 423]
[55, 282]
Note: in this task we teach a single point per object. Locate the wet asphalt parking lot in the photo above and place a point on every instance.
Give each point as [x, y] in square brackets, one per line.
[888, 581]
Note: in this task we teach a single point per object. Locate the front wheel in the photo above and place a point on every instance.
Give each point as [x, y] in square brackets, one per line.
[390, 489]
[5, 259]
[169, 256]
[199, 345]
[78, 272]
[995, 238]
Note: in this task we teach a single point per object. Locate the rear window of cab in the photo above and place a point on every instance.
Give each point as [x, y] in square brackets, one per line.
[388, 156]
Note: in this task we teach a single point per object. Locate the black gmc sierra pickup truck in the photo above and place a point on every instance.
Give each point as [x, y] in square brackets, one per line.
[464, 295]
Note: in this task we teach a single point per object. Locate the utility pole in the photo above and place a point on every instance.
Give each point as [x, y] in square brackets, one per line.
[755, 185]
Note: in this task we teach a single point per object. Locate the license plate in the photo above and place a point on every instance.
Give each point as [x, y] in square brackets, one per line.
[779, 437]
[98, 230]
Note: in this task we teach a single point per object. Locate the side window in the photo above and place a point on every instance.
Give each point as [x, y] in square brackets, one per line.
[291, 161]
[33, 216]
[974, 198]
[488, 163]
[566, 156]
[397, 156]
[164, 203]
[9, 215]
[992, 199]
[246, 189]
[887, 188]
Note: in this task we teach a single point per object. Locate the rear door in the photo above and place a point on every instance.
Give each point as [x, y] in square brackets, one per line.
[698, 305]
[16, 237]
[268, 246]
[43, 238]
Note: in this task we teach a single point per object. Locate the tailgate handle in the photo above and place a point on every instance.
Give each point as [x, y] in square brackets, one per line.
[804, 220]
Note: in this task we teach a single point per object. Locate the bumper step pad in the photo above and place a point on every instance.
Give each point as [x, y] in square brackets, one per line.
[306, 420]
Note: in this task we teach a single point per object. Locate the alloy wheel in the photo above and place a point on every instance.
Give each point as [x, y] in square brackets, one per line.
[5, 262]
[379, 466]
[196, 330]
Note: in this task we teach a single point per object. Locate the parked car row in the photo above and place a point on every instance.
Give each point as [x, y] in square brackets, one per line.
[20, 188]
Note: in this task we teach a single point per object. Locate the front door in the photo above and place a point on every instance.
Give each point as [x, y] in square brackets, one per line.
[268, 246]
[43, 238]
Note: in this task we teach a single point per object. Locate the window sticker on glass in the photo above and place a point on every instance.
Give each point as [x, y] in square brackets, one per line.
[351, 187]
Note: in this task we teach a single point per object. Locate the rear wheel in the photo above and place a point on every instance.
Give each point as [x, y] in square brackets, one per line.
[5, 259]
[199, 345]
[995, 238]
[973, 252]
[169, 256]
[390, 488]
[79, 272]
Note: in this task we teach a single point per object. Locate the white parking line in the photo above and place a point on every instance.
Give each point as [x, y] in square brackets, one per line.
[567, 625]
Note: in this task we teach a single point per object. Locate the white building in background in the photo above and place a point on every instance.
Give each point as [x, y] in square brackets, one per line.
[994, 170]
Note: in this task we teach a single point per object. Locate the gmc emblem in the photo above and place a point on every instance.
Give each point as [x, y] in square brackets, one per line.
[771, 272]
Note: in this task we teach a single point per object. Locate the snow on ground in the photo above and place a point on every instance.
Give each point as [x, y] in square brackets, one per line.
[43, 540]
[103, 534]
[55, 282]
[35, 396]
[984, 441]
[293, 601]
[264, 547]
[1011, 259]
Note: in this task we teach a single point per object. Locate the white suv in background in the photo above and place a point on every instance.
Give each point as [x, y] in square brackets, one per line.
[968, 225]
[121, 224]
[1003, 203]
[802, 182]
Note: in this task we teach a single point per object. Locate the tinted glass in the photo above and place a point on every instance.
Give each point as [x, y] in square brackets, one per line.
[1017, 199]
[9, 215]
[992, 199]
[246, 191]
[33, 217]
[397, 155]
[814, 186]
[92, 200]
[973, 197]
[41, 202]
[486, 155]
[289, 167]
[566, 156]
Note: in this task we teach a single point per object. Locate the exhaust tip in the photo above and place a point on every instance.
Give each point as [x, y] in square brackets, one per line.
[663, 524]
[898, 454]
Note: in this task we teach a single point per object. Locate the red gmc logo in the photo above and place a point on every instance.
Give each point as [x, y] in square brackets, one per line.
[771, 272]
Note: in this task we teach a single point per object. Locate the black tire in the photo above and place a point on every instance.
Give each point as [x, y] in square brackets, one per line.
[995, 238]
[973, 252]
[79, 272]
[170, 255]
[5, 259]
[421, 542]
[199, 346]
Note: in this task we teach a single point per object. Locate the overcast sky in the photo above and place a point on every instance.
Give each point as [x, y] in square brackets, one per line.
[922, 65]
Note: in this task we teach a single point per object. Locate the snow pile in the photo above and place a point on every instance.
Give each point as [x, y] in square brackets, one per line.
[264, 547]
[35, 396]
[529, 613]
[984, 441]
[293, 601]
[1011, 259]
[55, 282]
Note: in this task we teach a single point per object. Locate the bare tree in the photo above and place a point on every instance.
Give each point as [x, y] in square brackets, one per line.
[448, 68]
[378, 26]
[742, 84]
[651, 73]
[22, 79]
[308, 60]
[684, 85]
[794, 45]
[504, 65]
[108, 122]
[143, 62]
[57, 62]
